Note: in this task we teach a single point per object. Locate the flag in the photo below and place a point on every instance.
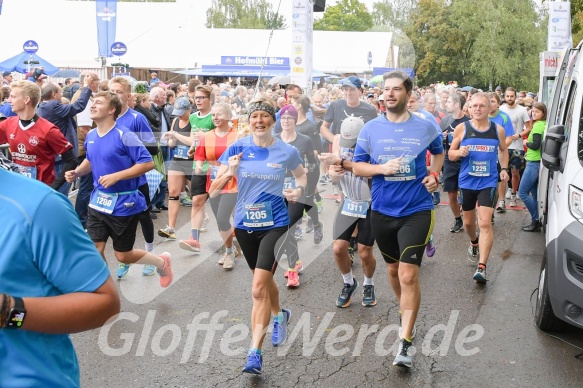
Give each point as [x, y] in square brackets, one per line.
[106, 12]
[1, 1]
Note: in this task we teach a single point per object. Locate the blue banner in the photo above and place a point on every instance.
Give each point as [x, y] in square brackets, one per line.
[254, 61]
[106, 11]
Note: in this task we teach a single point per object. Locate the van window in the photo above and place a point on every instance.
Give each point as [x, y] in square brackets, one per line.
[564, 85]
[568, 118]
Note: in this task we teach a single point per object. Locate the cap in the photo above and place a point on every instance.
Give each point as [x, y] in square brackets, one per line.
[289, 110]
[382, 97]
[6, 73]
[180, 106]
[225, 93]
[349, 131]
[370, 95]
[352, 81]
[498, 87]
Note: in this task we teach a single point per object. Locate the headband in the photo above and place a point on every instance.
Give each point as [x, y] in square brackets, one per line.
[264, 106]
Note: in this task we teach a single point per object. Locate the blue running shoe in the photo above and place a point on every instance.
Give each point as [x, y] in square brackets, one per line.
[368, 296]
[149, 270]
[345, 296]
[122, 270]
[279, 334]
[480, 275]
[254, 363]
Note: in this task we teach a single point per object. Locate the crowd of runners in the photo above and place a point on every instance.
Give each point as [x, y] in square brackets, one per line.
[259, 157]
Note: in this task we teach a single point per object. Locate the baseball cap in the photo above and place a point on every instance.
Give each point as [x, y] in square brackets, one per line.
[370, 95]
[6, 73]
[349, 131]
[352, 81]
[382, 97]
[498, 87]
[180, 106]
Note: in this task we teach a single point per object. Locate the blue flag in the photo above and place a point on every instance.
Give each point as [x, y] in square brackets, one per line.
[1, 1]
[106, 11]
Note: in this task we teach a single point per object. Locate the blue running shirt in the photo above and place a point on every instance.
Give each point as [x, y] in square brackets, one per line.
[260, 180]
[119, 149]
[503, 120]
[45, 252]
[479, 169]
[138, 124]
[380, 140]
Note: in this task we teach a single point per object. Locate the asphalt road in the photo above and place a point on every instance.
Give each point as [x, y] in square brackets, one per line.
[467, 335]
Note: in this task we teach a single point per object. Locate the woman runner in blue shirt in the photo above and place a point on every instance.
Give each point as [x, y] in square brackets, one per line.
[261, 220]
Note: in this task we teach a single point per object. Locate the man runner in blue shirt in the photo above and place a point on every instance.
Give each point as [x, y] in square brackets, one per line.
[391, 149]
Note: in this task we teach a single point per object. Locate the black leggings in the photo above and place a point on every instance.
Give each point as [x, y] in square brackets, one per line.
[222, 206]
[295, 212]
[145, 220]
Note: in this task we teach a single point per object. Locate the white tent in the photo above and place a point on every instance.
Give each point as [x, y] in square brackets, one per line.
[170, 36]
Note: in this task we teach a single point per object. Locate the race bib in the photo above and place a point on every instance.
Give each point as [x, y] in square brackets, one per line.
[214, 170]
[407, 170]
[258, 215]
[479, 167]
[28, 171]
[289, 182]
[104, 202]
[356, 209]
[181, 151]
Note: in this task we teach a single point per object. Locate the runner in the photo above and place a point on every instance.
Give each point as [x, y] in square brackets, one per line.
[210, 147]
[353, 212]
[179, 139]
[34, 142]
[477, 143]
[392, 150]
[451, 169]
[117, 159]
[138, 124]
[261, 220]
[200, 122]
[288, 117]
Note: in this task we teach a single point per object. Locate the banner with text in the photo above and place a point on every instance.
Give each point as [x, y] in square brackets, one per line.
[559, 35]
[106, 12]
[302, 43]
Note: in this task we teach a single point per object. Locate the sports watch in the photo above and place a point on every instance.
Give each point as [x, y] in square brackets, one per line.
[16, 315]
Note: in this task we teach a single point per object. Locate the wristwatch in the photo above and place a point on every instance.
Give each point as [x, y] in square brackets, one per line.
[301, 187]
[16, 315]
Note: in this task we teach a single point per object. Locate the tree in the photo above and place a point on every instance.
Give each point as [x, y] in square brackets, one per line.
[246, 14]
[347, 15]
[392, 14]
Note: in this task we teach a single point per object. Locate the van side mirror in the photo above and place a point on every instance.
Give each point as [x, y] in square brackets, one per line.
[552, 147]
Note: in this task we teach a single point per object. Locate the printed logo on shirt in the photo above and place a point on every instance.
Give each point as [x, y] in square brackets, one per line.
[481, 148]
[251, 155]
[33, 141]
[21, 148]
[12, 136]
[274, 165]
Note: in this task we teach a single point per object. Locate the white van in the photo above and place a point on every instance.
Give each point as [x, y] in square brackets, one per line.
[560, 200]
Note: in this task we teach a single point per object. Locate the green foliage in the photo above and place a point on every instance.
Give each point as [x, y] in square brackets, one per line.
[140, 88]
[481, 44]
[347, 15]
[246, 14]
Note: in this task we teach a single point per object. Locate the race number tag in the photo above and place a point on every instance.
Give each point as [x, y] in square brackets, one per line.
[289, 182]
[181, 151]
[407, 169]
[214, 170]
[354, 208]
[479, 167]
[258, 215]
[104, 202]
[28, 171]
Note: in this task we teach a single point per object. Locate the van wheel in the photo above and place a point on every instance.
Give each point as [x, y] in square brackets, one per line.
[544, 318]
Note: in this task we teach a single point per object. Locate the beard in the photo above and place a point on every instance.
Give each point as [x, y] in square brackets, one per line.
[399, 108]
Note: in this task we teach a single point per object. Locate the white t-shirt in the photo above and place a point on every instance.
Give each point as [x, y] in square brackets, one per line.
[83, 118]
[518, 116]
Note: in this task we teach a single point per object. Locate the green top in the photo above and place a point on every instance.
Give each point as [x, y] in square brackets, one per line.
[204, 124]
[538, 127]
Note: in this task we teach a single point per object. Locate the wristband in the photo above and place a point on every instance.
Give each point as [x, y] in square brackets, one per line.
[301, 187]
[342, 162]
[436, 175]
[504, 169]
